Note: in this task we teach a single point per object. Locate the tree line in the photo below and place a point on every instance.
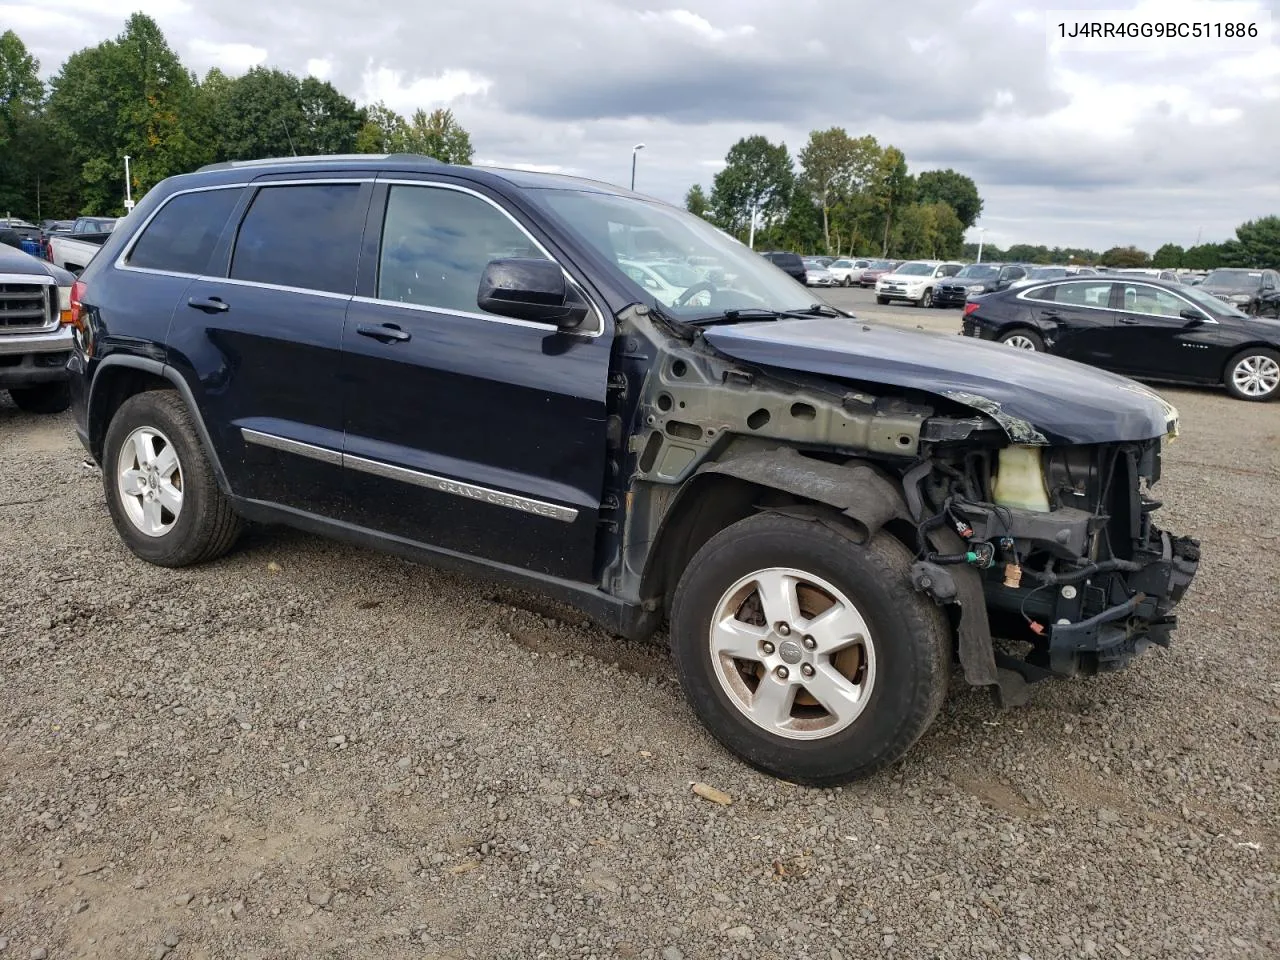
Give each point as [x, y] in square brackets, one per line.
[62, 144]
[846, 196]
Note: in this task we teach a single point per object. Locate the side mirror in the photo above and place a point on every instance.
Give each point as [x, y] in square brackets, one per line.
[530, 289]
[1193, 316]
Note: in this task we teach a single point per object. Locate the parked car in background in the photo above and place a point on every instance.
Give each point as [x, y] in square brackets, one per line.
[817, 275]
[73, 250]
[915, 281]
[668, 281]
[875, 270]
[789, 263]
[1251, 291]
[21, 234]
[35, 331]
[848, 271]
[1037, 274]
[807, 502]
[1144, 328]
[975, 280]
[1169, 276]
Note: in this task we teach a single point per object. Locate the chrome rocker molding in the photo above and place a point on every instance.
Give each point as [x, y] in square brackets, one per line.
[457, 488]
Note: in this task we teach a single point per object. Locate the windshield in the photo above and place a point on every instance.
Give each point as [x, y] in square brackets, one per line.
[978, 271]
[634, 229]
[1243, 280]
[677, 274]
[1210, 304]
[915, 270]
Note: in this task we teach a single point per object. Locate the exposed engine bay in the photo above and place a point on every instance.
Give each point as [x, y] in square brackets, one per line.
[1063, 540]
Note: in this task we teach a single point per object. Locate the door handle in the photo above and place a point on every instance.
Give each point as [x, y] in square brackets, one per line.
[386, 332]
[1130, 320]
[209, 305]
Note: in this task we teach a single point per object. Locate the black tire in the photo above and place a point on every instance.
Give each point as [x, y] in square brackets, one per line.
[1260, 354]
[911, 638]
[847, 281]
[1026, 333]
[926, 299]
[43, 398]
[206, 526]
[882, 300]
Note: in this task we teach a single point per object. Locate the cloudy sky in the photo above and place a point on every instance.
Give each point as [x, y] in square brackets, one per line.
[1072, 147]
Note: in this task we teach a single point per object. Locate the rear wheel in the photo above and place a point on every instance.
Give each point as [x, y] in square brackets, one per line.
[159, 484]
[1254, 374]
[43, 398]
[1023, 339]
[806, 654]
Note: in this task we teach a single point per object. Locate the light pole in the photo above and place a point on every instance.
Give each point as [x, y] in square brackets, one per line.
[128, 186]
[982, 232]
[634, 150]
[751, 241]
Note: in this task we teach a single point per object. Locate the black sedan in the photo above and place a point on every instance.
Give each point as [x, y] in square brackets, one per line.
[1144, 328]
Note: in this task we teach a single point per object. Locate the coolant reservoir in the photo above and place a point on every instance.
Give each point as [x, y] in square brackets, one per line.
[1020, 482]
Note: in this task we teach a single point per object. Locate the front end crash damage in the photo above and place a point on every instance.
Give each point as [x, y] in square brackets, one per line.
[1078, 578]
[1073, 568]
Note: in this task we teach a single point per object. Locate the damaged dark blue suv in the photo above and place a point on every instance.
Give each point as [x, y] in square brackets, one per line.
[459, 365]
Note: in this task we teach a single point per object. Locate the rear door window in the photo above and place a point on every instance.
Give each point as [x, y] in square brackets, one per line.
[181, 237]
[305, 236]
[1081, 294]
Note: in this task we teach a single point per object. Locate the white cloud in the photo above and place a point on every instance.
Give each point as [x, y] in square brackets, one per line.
[231, 58]
[698, 25]
[408, 94]
[319, 67]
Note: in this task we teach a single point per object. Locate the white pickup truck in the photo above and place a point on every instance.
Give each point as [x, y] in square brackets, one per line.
[35, 331]
[73, 251]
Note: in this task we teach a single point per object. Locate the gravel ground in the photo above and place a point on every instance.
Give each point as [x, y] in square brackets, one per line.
[309, 750]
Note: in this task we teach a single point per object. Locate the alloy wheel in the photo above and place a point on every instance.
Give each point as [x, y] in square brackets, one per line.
[1019, 342]
[1256, 375]
[149, 479]
[792, 653]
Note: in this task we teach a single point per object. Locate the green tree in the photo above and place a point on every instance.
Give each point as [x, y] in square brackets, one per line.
[1026, 253]
[1259, 243]
[1125, 257]
[891, 187]
[927, 231]
[954, 189]
[833, 166]
[438, 134]
[383, 131]
[127, 96]
[272, 113]
[1203, 256]
[1168, 256]
[757, 176]
[696, 202]
[22, 131]
[330, 120]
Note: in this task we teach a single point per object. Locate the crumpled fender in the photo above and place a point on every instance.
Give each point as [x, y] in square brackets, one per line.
[858, 490]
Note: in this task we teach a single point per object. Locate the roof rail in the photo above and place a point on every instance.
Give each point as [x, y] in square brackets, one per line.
[317, 158]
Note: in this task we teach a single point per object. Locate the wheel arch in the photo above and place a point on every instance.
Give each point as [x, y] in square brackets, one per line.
[1234, 354]
[117, 378]
[855, 495]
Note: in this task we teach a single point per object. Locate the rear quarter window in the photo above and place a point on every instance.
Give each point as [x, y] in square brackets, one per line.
[180, 238]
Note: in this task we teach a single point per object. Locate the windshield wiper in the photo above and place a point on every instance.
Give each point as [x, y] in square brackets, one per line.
[740, 314]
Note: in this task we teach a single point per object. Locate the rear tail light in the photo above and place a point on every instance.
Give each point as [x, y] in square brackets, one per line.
[72, 313]
[970, 308]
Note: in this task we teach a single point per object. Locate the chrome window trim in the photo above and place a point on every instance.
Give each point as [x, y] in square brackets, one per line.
[1026, 294]
[262, 285]
[430, 481]
[1173, 293]
[458, 188]
[122, 261]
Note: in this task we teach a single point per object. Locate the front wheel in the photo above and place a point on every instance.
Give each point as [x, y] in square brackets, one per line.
[847, 282]
[808, 655]
[43, 398]
[1254, 374]
[881, 300]
[926, 299]
[1023, 339]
